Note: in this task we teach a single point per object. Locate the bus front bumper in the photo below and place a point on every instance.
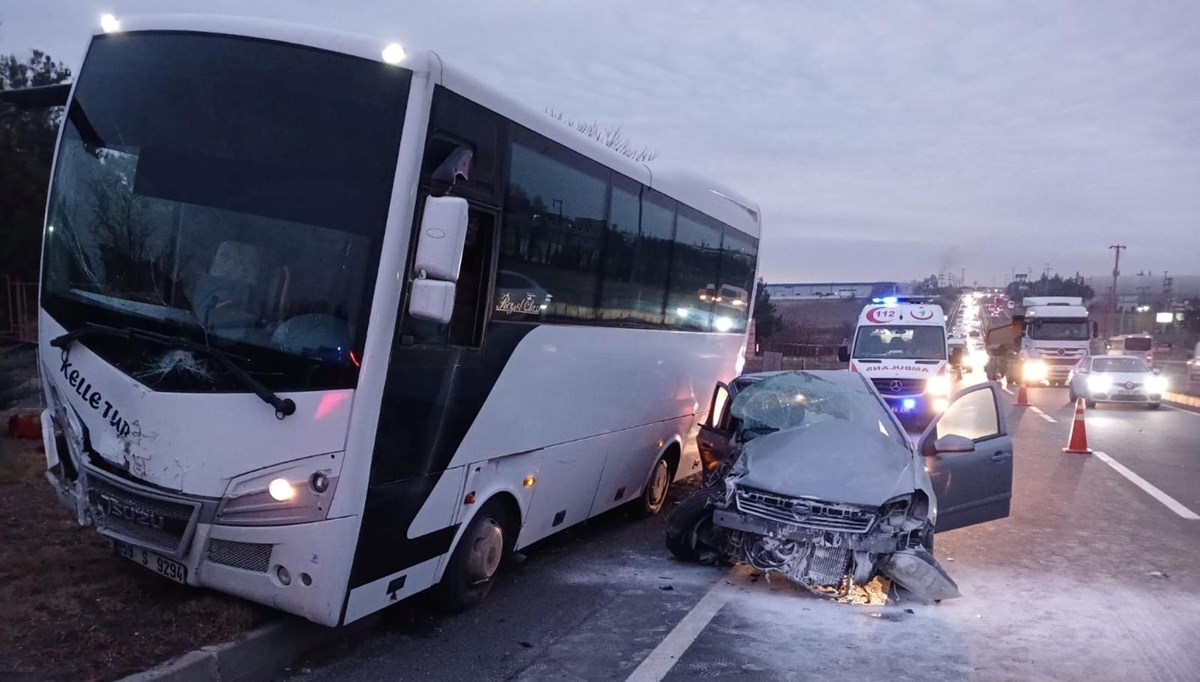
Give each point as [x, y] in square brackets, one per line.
[301, 568]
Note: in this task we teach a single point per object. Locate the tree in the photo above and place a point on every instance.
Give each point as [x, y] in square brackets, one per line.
[1051, 286]
[767, 320]
[26, 153]
[609, 136]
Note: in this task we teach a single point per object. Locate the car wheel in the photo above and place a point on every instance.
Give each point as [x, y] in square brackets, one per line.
[655, 493]
[691, 525]
[476, 559]
[1071, 394]
[1154, 406]
[1090, 404]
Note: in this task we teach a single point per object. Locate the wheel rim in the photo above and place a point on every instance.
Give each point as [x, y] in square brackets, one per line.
[487, 547]
[658, 485]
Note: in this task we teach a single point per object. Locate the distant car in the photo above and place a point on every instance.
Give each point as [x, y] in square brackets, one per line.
[1116, 379]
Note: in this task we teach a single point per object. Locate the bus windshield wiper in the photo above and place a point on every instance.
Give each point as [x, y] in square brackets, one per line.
[283, 406]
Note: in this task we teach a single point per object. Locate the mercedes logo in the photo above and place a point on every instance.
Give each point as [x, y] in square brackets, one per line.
[896, 386]
[1128, 384]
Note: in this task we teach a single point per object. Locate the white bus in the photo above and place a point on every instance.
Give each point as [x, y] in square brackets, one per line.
[325, 322]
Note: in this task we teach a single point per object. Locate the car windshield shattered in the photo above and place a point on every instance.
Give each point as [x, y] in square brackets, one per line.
[800, 400]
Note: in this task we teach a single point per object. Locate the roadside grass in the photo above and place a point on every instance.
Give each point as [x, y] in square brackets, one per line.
[73, 610]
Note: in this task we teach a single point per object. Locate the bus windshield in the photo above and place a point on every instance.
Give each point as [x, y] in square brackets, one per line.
[900, 342]
[1058, 330]
[228, 189]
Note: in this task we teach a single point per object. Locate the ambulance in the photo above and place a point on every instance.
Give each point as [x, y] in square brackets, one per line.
[901, 347]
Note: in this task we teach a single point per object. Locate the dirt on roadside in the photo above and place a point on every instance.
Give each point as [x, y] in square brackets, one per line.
[73, 610]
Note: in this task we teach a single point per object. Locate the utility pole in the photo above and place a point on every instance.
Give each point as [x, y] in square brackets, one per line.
[1117, 248]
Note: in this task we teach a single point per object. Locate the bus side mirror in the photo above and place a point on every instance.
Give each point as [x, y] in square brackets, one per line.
[439, 258]
[843, 354]
[1095, 330]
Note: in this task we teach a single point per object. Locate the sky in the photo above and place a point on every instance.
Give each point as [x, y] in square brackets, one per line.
[882, 140]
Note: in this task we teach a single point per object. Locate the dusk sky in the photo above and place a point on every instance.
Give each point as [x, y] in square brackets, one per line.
[882, 139]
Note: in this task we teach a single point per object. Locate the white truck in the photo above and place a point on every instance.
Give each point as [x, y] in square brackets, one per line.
[1047, 337]
[902, 349]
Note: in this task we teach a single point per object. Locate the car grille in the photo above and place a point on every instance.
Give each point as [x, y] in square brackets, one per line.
[899, 386]
[1136, 398]
[806, 513]
[153, 521]
[249, 556]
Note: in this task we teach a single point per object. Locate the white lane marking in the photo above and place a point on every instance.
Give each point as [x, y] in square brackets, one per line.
[1180, 409]
[1043, 415]
[660, 661]
[1007, 390]
[1168, 501]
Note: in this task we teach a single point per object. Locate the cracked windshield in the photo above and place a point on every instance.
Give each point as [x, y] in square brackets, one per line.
[235, 200]
[799, 399]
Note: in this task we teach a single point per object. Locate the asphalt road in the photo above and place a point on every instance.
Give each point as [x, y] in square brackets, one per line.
[1093, 577]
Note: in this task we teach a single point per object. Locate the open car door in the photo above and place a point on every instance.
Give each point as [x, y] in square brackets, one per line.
[714, 439]
[969, 456]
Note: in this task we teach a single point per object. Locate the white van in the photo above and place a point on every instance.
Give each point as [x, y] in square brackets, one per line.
[902, 349]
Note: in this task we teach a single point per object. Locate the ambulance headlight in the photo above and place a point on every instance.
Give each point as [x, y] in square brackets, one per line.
[296, 492]
[939, 385]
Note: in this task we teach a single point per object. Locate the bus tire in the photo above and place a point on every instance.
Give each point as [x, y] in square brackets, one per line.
[473, 566]
[654, 494]
[690, 523]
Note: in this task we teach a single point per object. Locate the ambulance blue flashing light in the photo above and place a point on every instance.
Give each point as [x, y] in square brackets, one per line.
[909, 403]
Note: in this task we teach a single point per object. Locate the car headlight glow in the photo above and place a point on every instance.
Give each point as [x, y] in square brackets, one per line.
[1099, 383]
[1156, 384]
[1033, 369]
[939, 385]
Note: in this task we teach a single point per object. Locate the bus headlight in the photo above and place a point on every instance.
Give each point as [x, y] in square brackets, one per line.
[1157, 384]
[939, 385]
[1033, 370]
[297, 492]
[1099, 383]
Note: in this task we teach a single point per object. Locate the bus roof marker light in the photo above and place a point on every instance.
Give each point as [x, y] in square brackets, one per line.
[393, 53]
[109, 23]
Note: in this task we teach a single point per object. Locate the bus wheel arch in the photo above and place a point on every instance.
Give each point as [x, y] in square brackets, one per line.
[488, 537]
[658, 481]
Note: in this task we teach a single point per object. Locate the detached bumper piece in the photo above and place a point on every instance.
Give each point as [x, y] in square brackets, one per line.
[918, 572]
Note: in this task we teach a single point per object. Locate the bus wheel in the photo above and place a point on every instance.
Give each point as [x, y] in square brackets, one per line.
[472, 568]
[655, 495]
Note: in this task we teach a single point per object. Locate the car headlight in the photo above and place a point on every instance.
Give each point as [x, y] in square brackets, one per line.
[1033, 369]
[296, 492]
[1157, 384]
[1099, 384]
[939, 385]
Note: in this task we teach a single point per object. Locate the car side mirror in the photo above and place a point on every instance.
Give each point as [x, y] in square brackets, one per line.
[843, 354]
[952, 444]
[439, 257]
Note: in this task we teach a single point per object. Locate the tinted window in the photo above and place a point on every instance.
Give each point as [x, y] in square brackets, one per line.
[695, 270]
[554, 228]
[463, 141]
[738, 252]
[635, 256]
[973, 416]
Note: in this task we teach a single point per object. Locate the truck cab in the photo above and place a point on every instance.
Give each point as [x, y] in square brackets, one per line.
[902, 349]
[1056, 335]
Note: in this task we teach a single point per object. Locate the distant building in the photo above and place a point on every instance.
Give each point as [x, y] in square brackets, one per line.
[806, 291]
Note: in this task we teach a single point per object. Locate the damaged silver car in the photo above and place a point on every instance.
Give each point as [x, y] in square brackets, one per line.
[809, 475]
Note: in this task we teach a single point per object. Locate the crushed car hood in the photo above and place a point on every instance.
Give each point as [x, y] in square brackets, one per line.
[834, 461]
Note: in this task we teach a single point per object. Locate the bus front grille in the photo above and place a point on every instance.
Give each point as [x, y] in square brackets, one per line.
[145, 518]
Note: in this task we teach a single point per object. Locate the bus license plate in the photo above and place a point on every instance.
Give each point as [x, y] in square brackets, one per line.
[167, 568]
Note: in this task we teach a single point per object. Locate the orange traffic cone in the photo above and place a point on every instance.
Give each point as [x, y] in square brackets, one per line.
[1022, 397]
[1077, 443]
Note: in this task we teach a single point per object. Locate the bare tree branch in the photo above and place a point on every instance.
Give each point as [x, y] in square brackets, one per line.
[612, 137]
